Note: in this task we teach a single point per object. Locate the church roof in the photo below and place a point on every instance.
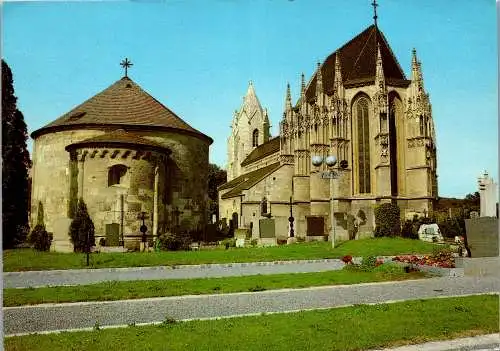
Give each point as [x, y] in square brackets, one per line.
[124, 103]
[263, 150]
[358, 63]
[248, 180]
[117, 138]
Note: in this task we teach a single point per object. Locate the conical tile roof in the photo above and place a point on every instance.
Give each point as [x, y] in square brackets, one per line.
[124, 103]
[358, 63]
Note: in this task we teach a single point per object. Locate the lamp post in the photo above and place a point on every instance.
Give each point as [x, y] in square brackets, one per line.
[330, 161]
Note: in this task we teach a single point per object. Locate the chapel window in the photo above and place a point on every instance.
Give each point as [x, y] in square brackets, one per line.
[361, 109]
[116, 174]
[255, 138]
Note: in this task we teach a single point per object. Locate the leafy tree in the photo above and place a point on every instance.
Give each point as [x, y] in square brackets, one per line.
[387, 220]
[16, 162]
[216, 177]
[81, 229]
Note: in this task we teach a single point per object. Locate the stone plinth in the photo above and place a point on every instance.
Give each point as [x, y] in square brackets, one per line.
[482, 236]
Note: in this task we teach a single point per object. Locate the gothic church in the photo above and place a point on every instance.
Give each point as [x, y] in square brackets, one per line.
[359, 107]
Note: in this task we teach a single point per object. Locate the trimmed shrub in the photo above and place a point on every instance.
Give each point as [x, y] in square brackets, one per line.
[40, 238]
[174, 242]
[387, 220]
[81, 229]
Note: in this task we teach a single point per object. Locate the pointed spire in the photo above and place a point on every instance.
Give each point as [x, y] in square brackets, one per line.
[338, 74]
[416, 71]
[379, 72]
[288, 98]
[319, 80]
[250, 100]
[302, 86]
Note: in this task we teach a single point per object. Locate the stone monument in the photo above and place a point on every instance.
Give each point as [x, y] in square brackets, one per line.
[488, 194]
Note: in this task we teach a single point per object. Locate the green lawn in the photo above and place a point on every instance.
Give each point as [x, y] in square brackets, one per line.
[155, 288]
[26, 259]
[351, 328]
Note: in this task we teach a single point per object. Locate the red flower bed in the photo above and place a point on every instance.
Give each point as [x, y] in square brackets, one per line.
[438, 260]
[347, 259]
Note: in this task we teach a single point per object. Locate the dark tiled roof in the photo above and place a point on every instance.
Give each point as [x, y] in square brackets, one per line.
[116, 138]
[358, 63]
[263, 150]
[248, 180]
[124, 103]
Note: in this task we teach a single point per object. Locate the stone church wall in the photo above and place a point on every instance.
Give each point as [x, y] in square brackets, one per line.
[52, 183]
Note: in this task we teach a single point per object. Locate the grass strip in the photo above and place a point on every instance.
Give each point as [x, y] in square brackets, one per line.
[359, 327]
[121, 290]
[31, 260]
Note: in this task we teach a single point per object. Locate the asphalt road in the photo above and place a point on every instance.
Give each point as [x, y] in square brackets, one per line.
[49, 317]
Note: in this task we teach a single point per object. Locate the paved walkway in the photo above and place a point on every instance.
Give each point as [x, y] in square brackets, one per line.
[490, 342]
[51, 317]
[37, 279]
[91, 276]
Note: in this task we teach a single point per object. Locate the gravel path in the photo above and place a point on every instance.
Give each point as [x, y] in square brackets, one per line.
[90, 276]
[49, 317]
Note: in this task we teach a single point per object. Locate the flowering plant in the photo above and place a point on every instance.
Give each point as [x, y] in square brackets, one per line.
[347, 259]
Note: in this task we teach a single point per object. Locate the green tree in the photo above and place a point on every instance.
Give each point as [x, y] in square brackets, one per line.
[81, 229]
[216, 177]
[39, 237]
[16, 162]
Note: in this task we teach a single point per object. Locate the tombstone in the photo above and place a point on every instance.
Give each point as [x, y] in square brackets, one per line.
[430, 233]
[112, 234]
[267, 232]
[488, 196]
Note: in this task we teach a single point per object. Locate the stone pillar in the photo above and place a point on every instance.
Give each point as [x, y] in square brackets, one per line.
[488, 196]
[81, 167]
[155, 202]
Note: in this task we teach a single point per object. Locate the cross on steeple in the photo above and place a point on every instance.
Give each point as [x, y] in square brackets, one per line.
[126, 64]
[374, 4]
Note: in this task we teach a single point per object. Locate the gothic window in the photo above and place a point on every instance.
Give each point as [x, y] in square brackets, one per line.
[255, 138]
[116, 174]
[421, 125]
[361, 108]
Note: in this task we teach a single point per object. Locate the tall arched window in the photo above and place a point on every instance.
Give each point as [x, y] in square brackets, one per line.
[255, 138]
[421, 125]
[116, 174]
[363, 131]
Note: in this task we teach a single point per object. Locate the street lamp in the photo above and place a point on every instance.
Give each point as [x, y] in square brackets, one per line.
[330, 161]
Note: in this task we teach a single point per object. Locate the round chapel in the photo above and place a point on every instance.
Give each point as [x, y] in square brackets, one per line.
[130, 158]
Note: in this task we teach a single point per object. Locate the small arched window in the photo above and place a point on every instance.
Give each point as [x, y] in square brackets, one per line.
[255, 138]
[263, 206]
[116, 174]
[421, 125]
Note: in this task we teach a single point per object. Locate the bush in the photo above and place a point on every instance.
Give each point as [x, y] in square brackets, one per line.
[40, 238]
[174, 242]
[81, 229]
[229, 242]
[410, 229]
[368, 263]
[387, 220]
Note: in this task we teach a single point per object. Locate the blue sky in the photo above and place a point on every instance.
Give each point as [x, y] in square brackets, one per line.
[198, 56]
